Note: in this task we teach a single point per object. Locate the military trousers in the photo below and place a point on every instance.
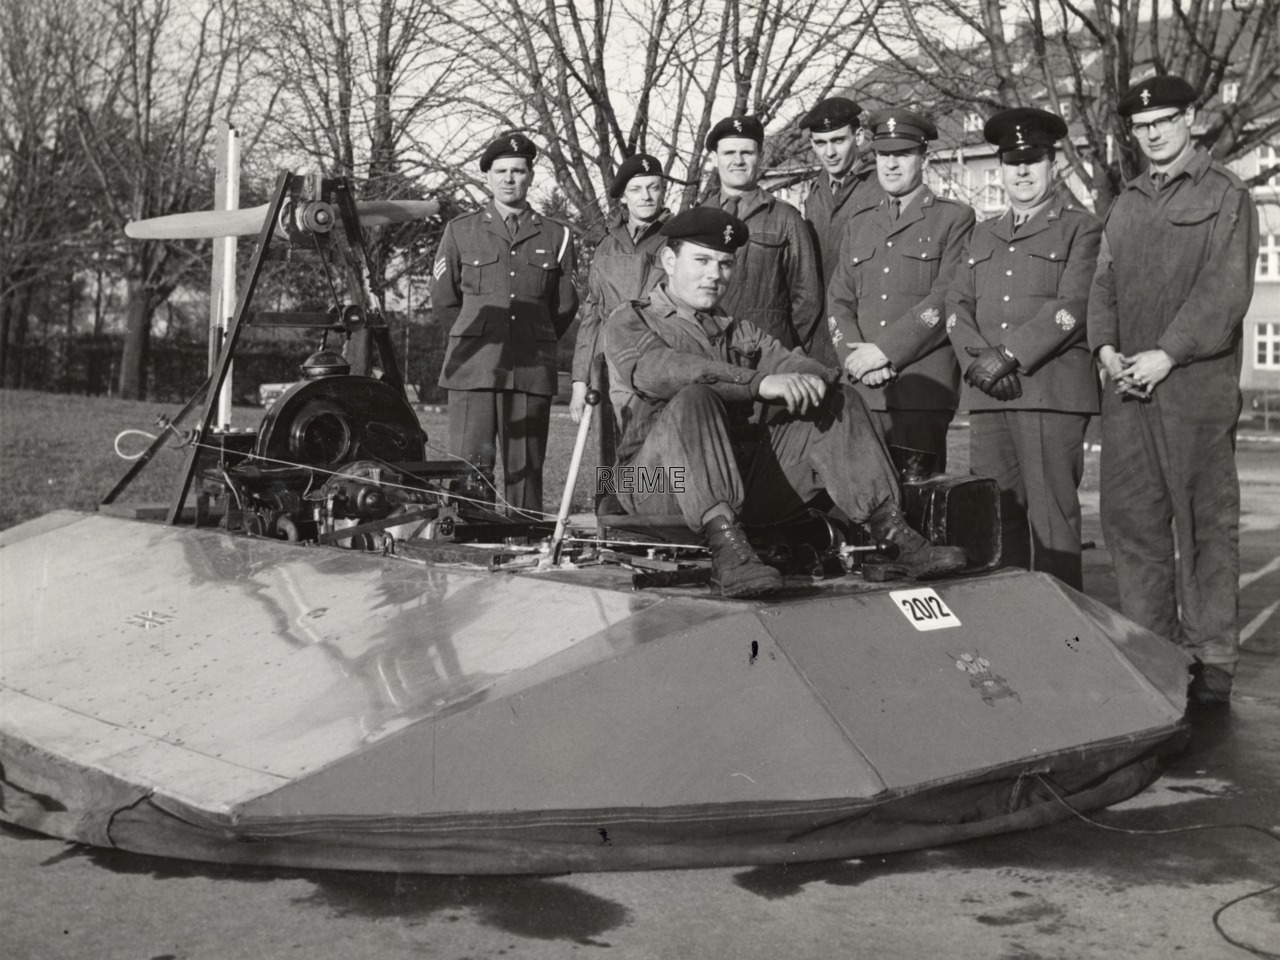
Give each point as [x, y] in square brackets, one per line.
[768, 476]
[918, 430]
[1171, 518]
[1036, 458]
[481, 421]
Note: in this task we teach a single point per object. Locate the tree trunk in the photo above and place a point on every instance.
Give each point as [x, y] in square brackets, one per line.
[137, 343]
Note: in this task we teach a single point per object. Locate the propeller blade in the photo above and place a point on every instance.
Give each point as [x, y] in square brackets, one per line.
[380, 213]
[205, 224]
[199, 225]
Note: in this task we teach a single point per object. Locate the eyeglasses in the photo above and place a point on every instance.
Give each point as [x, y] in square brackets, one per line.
[1161, 126]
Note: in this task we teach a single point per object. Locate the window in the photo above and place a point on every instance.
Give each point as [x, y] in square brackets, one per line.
[972, 123]
[1267, 342]
[1064, 110]
[1268, 156]
[1230, 92]
[992, 189]
[1268, 257]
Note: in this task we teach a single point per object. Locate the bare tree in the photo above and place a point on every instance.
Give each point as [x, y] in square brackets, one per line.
[1079, 59]
[157, 76]
[596, 83]
[357, 82]
[42, 207]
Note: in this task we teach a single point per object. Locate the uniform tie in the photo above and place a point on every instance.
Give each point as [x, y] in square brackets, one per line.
[731, 206]
[1159, 179]
[895, 209]
[513, 223]
[836, 184]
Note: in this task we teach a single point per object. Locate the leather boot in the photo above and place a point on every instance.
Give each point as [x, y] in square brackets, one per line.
[735, 568]
[922, 559]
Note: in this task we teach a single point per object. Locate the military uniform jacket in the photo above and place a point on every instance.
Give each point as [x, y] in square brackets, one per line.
[775, 282]
[830, 213]
[655, 349]
[890, 289]
[1028, 291]
[506, 300]
[1176, 273]
[621, 270]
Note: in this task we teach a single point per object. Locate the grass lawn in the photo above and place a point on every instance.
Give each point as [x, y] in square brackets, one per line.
[57, 451]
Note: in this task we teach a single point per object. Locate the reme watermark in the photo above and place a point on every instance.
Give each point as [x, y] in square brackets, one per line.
[639, 481]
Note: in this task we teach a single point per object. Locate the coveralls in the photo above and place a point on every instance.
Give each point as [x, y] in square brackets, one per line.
[622, 268]
[1176, 273]
[685, 385]
[506, 300]
[1027, 289]
[890, 289]
[775, 283]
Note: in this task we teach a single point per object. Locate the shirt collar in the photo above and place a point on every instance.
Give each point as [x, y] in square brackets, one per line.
[505, 211]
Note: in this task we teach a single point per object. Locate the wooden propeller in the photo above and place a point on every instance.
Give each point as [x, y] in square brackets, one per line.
[204, 224]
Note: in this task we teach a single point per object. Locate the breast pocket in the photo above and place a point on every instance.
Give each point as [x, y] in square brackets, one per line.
[979, 265]
[1044, 272]
[919, 268]
[862, 260]
[479, 272]
[536, 270]
[765, 252]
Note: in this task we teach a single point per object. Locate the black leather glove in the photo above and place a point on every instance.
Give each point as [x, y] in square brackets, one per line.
[1008, 387]
[989, 365]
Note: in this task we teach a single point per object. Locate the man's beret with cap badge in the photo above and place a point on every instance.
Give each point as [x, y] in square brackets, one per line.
[1154, 93]
[899, 130]
[641, 165]
[1024, 134]
[510, 144]
[707, 227]
[749, 128]
[831, 114]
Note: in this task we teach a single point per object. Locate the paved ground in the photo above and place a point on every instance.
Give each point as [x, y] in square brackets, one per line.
[1068, 891]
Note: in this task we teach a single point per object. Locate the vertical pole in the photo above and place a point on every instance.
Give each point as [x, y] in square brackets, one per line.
[222, 299]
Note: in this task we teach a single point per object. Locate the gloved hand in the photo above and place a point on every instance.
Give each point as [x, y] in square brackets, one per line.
[989, 365]
[1008, 387]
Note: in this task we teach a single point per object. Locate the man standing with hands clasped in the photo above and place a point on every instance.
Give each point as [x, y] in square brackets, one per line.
[1016, 315]
[1174, 280]
[887, 294]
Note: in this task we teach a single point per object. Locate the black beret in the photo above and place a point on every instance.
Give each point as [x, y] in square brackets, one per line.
[1154, 93]
[831, 114]
[899, 130]
[641, 165]
[1026, 133]
[748, 127]
[510, 144]
[707, 227]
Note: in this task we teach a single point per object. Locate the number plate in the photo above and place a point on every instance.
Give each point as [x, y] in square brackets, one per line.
[924, 609]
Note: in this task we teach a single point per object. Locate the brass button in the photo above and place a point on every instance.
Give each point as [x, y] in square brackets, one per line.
[1006, 298]
[886, 269]
[882, 323]
[477, 263]
[890, 243]
[513, 273]
[1011, 249]
[1004, 326]
[1008, 273]
[884, 296]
